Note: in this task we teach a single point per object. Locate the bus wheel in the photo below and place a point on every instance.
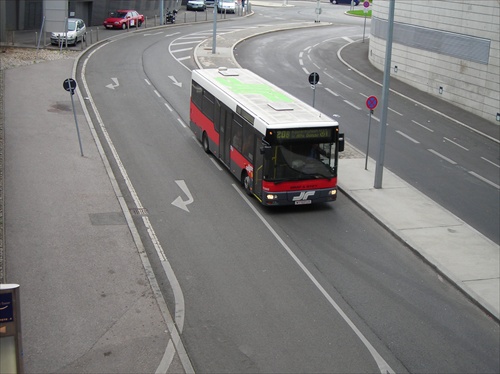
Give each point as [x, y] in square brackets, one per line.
[246, 182]
[204, 142]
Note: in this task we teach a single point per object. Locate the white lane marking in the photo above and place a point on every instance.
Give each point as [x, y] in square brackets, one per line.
[301, 54]
[345, 85]
[351, 104]
[443, 157]
[382, 364]
[183, 58]
[169, 107]
[182, 50]
[491, 162]
[305, 70]
[348, 39]
[408, 137]
[157, 93]
[425, 127]
[458, 145]
[365, 96]
[301, 63]
[147, 82]
[392, 110]
[485, 180]
[333, 93]
[181, 122]
[216, 164]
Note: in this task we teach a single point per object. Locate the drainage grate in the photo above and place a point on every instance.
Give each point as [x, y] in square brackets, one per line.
[139, 211]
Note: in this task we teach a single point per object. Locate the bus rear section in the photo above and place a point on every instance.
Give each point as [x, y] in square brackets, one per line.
[282, 150]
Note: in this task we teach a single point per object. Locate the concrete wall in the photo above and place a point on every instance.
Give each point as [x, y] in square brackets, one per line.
[460, 53]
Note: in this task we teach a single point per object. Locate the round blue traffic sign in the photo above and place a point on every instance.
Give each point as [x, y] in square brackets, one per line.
[371, 102]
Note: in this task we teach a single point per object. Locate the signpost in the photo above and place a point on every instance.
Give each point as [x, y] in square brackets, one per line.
[366, 4]
[313, 80]
[70, 86]
[371, 104]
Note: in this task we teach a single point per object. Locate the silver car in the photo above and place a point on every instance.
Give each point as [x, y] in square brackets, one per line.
[77, 31]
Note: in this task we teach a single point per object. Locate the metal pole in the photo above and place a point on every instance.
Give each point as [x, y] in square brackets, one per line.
[214, 33]
[385, 99]
[71, 92]
[162, 15]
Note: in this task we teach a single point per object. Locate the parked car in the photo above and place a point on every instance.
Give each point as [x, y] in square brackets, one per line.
[121, 19]
[209, 3]
[196, 5]
[356, 2]
[226, 6]
[77, 31]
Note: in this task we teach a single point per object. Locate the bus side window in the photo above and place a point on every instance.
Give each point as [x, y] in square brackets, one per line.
[237, 135]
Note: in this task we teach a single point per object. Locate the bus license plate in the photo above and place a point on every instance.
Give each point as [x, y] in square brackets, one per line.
[303, 202]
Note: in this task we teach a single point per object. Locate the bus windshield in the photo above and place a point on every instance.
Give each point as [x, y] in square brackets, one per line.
[299, 161]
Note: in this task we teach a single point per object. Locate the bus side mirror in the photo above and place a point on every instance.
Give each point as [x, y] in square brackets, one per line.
[341, 142]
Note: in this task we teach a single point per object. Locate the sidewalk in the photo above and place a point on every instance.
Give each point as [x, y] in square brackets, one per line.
[457, 251]
[70, 243]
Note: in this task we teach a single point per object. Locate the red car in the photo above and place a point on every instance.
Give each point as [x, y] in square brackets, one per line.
[121, 19]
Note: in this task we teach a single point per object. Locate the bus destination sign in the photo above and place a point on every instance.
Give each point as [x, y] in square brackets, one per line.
[317, 134]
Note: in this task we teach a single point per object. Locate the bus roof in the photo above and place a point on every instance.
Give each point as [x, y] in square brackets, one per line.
[272, 107]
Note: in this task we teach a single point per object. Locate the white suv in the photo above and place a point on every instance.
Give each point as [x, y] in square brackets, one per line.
[77, 31]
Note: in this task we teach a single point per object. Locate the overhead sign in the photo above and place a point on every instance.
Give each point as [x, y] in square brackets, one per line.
[371, 102]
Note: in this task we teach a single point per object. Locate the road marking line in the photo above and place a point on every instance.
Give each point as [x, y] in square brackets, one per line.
[392, 110]
[425, 127]
[382, 364]
[491, 162]
[147, 82]
[485, 180]
[351, 104]
[345, 85]
[181, 122]
[333, 93]
[408, 137]
[157, 93]
[458, 145]
[216, 163]
[443, 157]
[182, 50]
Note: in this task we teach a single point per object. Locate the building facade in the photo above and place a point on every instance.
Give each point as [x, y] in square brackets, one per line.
[447, 48]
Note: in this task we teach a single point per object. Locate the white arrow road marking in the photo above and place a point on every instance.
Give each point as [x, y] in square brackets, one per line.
[175, 81]
[112, 86]
[179, 202]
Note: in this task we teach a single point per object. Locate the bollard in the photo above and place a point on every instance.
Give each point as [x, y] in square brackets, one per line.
[91, 37]
[11, 349]
[97, 34]
[36, 38]
[146, 22]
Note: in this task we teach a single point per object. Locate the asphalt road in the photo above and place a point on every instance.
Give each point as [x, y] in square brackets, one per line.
[258, 284]
[445, 161]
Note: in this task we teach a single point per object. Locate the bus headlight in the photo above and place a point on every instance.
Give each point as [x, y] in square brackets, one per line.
[271, 197]
[332, 192]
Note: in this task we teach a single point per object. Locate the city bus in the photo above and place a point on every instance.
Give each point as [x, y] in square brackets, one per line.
[283, 151]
